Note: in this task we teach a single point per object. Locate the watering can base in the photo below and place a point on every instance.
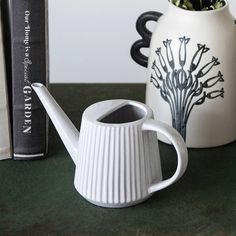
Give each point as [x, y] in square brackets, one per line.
[119, 205]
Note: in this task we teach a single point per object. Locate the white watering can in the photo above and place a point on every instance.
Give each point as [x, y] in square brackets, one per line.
[116, 154]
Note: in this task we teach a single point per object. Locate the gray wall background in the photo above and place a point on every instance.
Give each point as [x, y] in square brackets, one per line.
[90, 40]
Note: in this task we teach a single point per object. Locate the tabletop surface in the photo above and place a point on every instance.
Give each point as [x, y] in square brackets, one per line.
[39, 198]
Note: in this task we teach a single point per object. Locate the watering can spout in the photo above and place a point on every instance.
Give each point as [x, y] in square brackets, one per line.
[67, 131]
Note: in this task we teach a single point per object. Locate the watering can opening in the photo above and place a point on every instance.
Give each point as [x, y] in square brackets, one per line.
[125, 114]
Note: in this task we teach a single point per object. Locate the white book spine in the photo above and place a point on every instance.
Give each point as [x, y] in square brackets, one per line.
[5, 141]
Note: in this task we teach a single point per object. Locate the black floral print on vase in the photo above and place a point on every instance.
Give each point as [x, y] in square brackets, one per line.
[184, 88]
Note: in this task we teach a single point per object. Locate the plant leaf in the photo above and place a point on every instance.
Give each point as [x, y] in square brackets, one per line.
[202, 5]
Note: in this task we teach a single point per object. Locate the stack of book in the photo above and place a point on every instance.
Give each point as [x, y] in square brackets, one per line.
[5, 141]
[25, 34]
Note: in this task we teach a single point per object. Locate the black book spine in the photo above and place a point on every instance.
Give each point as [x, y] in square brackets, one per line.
[29, 40]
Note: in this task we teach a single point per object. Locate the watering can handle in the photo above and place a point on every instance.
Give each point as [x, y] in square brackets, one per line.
[180, 147]
[146, 37]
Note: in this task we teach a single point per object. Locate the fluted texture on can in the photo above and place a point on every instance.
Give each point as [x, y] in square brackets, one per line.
[116, 164]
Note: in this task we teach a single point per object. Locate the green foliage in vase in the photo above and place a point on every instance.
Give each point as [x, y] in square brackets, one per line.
[199, 5]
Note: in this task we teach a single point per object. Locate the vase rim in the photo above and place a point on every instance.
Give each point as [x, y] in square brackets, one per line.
[200, 12]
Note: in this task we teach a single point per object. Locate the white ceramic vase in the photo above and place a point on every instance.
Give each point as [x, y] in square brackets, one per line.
[192, 73]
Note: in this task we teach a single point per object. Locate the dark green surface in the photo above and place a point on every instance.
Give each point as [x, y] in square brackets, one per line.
[38, 197]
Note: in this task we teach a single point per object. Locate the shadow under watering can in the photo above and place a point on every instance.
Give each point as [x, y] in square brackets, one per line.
[116, 153]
